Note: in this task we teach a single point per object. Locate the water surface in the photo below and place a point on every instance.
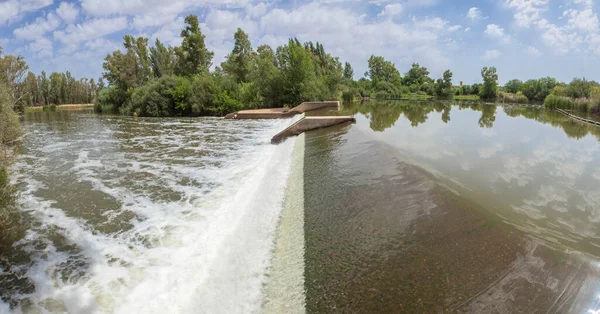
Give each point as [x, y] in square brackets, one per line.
[432, 206]
[123, 215]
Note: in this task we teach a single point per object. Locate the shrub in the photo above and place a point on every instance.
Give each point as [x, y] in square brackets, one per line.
[109, 98]
[517, 98]
[560, 102]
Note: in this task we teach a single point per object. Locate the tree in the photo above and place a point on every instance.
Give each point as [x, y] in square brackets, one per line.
[161, 59]
[348, 72]
[192, 55]
[381, 70]
[241, 60]
[45, 88]
[12, 75]
[297, 73]
[579, 87]
[513, 86]
[443, 87]
[416, 77]
[267, 77]
[489, 90]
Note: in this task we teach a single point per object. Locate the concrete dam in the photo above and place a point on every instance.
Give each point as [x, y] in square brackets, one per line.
[302, 125]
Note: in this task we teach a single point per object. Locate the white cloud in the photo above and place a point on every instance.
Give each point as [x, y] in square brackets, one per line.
[43, 47]
[140, 7]
[391, 10]
[90, 29]
[38, 28]
[585, 20]
[495, 31]
[152, 20]
[532, 51]
[474, 14]
[339, 27]
[11, 9]
[67, 11]
[468, 29]
[491, 54]
[527, 12]
[454, 28]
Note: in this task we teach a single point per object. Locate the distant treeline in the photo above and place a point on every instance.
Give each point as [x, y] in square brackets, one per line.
[28, 89]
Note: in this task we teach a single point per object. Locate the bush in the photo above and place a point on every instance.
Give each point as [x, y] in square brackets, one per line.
[154, 99]
[558, 102]
[225, 103]
[109, 98]
[517, 98]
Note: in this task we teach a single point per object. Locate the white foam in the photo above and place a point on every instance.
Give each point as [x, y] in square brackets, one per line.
[207, 252]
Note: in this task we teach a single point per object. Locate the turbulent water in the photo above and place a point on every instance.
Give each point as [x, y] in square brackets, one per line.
[130, 215]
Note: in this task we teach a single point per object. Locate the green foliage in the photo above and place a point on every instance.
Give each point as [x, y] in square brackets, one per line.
[225, 102]
[516, 98]
[417, 78]
[489, 89]
[10, 128]
[348, 72]
[443, 86]
[161, 59]
[240, 62]
[110, 98]
[381, 70]
[560, 102]
[192, 56]
[580, 87]
[513, 86]
[297, 73]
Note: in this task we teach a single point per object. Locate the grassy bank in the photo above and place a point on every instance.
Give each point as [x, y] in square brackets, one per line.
[583, 104]
[59, 107]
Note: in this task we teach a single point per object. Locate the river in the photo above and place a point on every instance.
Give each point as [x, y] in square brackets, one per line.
[418, 207]
[144, 215]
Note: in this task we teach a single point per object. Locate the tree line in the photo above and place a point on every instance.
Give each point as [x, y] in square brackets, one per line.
[28, 89]
[10, 129]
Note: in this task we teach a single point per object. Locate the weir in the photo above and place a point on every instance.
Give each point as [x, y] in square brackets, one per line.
[310, 123]
[302, 125]
[279, 113]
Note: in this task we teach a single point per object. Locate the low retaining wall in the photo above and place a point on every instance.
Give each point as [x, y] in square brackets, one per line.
[280, 113]
[310, 123]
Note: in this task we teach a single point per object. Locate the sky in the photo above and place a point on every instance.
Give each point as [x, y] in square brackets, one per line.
[523, 39]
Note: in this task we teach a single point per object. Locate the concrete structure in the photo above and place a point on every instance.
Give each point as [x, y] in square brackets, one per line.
[280, 113]
[310, 123]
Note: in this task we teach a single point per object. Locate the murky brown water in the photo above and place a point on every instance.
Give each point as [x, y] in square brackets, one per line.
[428, 208]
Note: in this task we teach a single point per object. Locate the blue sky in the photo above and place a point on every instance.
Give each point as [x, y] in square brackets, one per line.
[522, 38]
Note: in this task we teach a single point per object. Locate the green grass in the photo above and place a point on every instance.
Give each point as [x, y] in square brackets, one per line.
[416, 96]
[466, 97]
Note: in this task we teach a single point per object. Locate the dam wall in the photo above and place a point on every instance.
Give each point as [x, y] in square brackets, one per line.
[310, 123]
[281, 113]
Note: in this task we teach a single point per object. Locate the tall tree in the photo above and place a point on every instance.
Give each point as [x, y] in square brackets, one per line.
[192, 55]
[297, 72]
[381, 70]
[443, 86]
[489, 89]
[161, 59]
[267, 77]
[241, 60]
[348, 71]
[45, 87]
[12, 74]
[416, 76]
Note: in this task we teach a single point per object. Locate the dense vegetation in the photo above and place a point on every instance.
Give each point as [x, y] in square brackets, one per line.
[27, 89]
[166, 81]
[10, 129]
